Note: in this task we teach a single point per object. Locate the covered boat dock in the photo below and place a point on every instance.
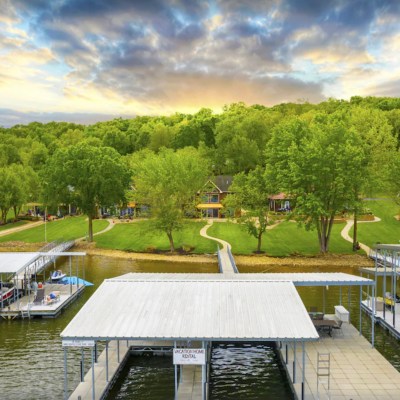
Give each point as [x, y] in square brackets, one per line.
[20, 270]
[198, 308]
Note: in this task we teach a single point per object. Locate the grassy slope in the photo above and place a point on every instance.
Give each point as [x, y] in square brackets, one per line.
[65, 229]
[284, 240]
[385, 231]
[139, 236]
[12, 225]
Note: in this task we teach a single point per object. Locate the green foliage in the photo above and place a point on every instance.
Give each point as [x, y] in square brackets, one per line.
[250, 194]
[167, 182]
[316, 162]
[86, 176]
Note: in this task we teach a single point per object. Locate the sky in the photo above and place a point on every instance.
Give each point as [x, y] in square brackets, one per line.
[92, 60]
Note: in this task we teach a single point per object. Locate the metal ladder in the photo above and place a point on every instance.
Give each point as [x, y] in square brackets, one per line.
[323, 369]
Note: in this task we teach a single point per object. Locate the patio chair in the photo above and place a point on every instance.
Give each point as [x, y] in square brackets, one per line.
[39, 297]
[338, 327]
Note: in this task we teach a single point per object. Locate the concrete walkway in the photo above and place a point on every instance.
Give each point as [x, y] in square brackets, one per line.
[349, 224]
[111, 225]
[225, 261]
[29, 225]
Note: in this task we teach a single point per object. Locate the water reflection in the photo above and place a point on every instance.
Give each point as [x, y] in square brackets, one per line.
[250, 371]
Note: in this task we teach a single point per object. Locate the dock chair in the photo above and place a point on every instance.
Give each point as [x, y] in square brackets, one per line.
[39, 297]
[338, 327]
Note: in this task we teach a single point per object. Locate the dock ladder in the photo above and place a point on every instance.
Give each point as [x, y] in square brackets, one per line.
[323, 369]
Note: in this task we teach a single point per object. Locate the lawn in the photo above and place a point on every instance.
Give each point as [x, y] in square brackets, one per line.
[66, 229]
[141, 237]
[284, 240]
[12, 225]
[385, 231]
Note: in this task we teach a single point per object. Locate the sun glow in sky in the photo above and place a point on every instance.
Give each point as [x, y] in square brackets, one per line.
[87, 60]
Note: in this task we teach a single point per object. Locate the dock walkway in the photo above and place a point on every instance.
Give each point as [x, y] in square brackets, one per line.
[225, 261]
[358, 371]
[116, 361]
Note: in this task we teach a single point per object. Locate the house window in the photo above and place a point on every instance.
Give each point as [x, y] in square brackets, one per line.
[214, 198]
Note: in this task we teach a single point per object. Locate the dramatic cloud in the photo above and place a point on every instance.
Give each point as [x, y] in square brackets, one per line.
[126, 57]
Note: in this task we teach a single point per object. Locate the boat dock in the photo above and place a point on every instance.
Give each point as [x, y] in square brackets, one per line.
[37, 299]
[356, 371]
[385, 315]
[26, 307]
[114, 357]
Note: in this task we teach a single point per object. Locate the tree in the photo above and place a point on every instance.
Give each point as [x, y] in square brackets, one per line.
[379, 147]
[168, 182]
[250, 193]
[316, 163]
[87, 176]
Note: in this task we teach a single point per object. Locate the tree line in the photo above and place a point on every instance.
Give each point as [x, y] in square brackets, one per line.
[326, 157]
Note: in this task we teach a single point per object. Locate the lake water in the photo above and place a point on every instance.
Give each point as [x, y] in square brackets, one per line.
[32, 358]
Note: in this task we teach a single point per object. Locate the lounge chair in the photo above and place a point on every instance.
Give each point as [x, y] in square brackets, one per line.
[39, 297]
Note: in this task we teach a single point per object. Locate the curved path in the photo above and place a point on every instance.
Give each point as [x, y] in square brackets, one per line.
[111, 225]
[203, 232]
[349, 224]
[21, 228]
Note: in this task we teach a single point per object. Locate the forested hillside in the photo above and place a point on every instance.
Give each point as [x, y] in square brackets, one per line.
[325, 156]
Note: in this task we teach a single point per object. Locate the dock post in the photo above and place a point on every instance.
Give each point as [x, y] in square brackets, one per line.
[394, 272]
[294, 362]
[349, 300]
[118, 359]
[340, 295]
[95, 352]
[304, 371]
[70, 273]
[176, 375]
[360, 309]
[82, 365]
[373, 316]
[203, 376]
[93, 389]
[286, 354]
[65, 375]
[107, 361]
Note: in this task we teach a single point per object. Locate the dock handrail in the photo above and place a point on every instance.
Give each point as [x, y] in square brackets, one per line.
[219, 260]
[232, 260]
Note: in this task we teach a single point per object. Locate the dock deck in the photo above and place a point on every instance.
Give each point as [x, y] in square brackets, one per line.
[358, 371]
[25, 307]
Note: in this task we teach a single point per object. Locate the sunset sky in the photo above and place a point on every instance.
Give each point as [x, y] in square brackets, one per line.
[91, 60]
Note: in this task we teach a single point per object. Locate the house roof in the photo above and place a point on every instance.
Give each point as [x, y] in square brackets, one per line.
[279, 196]
[223, 182]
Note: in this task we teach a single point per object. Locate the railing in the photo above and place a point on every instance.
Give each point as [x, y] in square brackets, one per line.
[232, 260]
[219, 260]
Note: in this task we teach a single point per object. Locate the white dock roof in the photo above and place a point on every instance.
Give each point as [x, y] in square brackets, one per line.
[14, 263]
[298, 278]
[191, 309]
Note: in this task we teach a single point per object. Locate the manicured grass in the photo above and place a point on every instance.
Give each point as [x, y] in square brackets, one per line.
[284, 240]
[141, 237]
[65, 229]
[12, 225]
[385, 231]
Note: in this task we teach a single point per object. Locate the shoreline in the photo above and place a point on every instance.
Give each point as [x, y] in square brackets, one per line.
[332, 260]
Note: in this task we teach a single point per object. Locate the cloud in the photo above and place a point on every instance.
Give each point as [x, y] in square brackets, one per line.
[161, 55]
[9, 117]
